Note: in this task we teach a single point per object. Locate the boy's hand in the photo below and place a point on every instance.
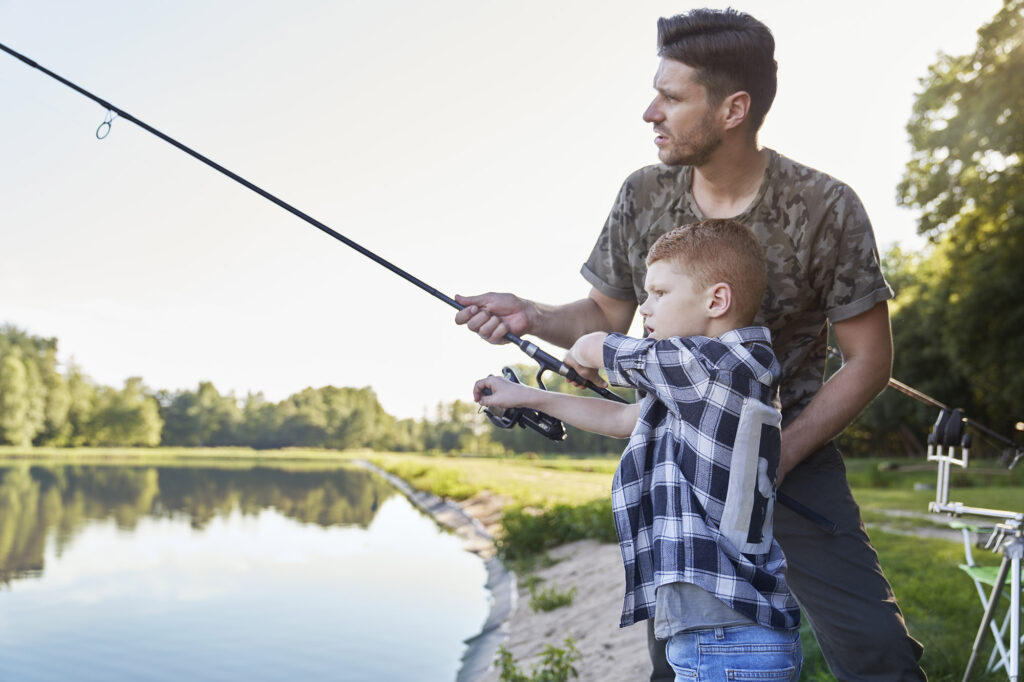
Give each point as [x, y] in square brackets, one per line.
[502, 393]
[588, 373]
[586, 357]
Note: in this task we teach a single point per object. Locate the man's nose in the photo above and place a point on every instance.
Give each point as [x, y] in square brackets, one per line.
[653, 114]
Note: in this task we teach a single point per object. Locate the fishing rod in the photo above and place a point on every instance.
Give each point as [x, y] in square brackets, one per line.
[926, 399]
[546, 361]
[523, 417]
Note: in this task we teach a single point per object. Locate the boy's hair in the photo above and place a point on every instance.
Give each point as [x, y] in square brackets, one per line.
[730, 50]
[719, 250]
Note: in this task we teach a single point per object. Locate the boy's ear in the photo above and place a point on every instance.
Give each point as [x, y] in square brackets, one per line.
[719, 299]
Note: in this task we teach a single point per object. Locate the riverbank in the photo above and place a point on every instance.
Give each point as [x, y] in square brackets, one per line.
[592, 569]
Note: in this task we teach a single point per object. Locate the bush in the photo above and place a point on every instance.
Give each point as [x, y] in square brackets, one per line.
[556, 665]
[528, 532]
[550, 598]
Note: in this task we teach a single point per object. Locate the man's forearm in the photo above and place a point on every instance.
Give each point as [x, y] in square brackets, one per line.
[563, 324]
[831, 411]
[866, 341]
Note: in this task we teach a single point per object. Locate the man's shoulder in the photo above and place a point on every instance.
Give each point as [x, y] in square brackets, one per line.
[793, 177]
[656, 181]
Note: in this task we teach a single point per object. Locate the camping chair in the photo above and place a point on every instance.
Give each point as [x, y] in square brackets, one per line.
[1004, 654]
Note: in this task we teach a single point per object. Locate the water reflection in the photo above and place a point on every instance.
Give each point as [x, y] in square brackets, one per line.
[169, 574]
[39, 501]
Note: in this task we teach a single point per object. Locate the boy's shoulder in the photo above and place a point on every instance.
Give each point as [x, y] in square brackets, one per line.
[744, 350]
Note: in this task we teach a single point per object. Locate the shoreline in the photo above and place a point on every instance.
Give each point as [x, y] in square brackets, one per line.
[592, 568]
[482, 648]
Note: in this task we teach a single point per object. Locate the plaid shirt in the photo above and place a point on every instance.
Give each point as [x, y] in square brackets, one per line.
[694, 492]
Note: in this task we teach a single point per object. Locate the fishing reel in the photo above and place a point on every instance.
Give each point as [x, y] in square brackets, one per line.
[544, 424]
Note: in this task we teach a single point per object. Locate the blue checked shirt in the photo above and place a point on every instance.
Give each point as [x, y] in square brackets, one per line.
[694, 492]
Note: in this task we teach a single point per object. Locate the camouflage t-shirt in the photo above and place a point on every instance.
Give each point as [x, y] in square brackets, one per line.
[822, 262]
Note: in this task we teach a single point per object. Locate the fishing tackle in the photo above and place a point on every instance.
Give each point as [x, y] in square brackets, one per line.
[533, 419]
[524, 417]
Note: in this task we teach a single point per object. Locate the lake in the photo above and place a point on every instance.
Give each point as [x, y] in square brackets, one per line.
[188, 573]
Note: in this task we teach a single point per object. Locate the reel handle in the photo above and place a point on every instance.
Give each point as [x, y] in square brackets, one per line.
[525, 417]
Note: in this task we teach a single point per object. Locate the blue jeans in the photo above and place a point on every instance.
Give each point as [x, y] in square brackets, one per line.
[745, 652]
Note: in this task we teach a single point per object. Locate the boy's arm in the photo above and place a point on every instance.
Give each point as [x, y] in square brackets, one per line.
[596, 415]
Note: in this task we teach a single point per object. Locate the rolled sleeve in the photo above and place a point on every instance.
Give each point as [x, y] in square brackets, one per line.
[856, 283]
[610, 290]
[673, 369]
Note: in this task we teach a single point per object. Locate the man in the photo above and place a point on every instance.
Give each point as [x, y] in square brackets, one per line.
[714, 85]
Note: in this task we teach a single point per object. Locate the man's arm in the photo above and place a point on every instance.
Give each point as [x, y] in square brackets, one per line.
[494, 315]
[866, 344]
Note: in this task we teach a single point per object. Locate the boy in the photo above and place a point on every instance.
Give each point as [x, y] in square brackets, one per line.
[693, 494]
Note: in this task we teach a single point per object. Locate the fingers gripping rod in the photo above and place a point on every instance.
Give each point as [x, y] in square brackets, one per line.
[546, 360]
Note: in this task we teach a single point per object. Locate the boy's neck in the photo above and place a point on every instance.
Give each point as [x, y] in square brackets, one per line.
[718, 326]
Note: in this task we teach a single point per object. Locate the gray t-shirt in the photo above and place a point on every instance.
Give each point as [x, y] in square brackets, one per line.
[822, 262]
[681, 607]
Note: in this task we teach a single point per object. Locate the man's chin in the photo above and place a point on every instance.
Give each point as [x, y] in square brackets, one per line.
[670, 158]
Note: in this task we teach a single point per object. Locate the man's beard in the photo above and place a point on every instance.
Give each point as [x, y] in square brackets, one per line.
[697, 150]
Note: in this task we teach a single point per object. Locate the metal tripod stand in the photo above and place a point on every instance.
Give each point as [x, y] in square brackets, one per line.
[948, 445]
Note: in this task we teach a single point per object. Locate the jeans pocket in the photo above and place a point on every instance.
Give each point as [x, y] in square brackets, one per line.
[784, 674]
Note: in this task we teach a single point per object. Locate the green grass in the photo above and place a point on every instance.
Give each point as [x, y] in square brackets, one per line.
[527, 483]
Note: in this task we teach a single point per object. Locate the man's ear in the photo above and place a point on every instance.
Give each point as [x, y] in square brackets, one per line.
[735, 108]
[719, 299]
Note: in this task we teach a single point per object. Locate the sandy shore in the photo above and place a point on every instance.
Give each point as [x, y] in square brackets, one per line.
[595, 570]
[608, 652]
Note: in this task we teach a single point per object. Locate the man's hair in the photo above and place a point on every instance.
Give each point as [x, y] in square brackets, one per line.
[719, 250]
[730, 50]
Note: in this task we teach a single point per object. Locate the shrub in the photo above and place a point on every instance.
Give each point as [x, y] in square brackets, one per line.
[556, 665]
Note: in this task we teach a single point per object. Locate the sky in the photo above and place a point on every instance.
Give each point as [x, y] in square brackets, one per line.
[476, 144]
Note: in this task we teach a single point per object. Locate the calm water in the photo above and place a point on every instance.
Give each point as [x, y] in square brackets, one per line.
[143, 573]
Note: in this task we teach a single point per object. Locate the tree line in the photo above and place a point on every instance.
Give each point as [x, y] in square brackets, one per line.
[957, 316]
[959, 312]
[43, 404]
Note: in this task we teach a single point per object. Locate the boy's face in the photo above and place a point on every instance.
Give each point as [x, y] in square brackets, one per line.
[674, 305]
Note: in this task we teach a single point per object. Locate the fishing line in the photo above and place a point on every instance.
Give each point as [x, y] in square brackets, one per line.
[547, 361]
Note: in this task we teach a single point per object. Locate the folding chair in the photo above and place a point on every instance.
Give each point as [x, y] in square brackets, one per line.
[985, 579]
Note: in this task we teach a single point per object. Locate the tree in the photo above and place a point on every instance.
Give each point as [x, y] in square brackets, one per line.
[15, 403]
[967, 177]
[130, 416]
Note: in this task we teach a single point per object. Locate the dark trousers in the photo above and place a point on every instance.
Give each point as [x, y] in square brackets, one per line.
[836, 579]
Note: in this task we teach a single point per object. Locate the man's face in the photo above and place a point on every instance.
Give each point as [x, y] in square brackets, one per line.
[684, 122]
[674, 305]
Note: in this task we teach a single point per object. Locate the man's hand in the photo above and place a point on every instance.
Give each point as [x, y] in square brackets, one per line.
[494, 315]
[502, 393]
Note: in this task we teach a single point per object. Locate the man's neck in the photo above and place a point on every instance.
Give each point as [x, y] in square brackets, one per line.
[727, 184]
